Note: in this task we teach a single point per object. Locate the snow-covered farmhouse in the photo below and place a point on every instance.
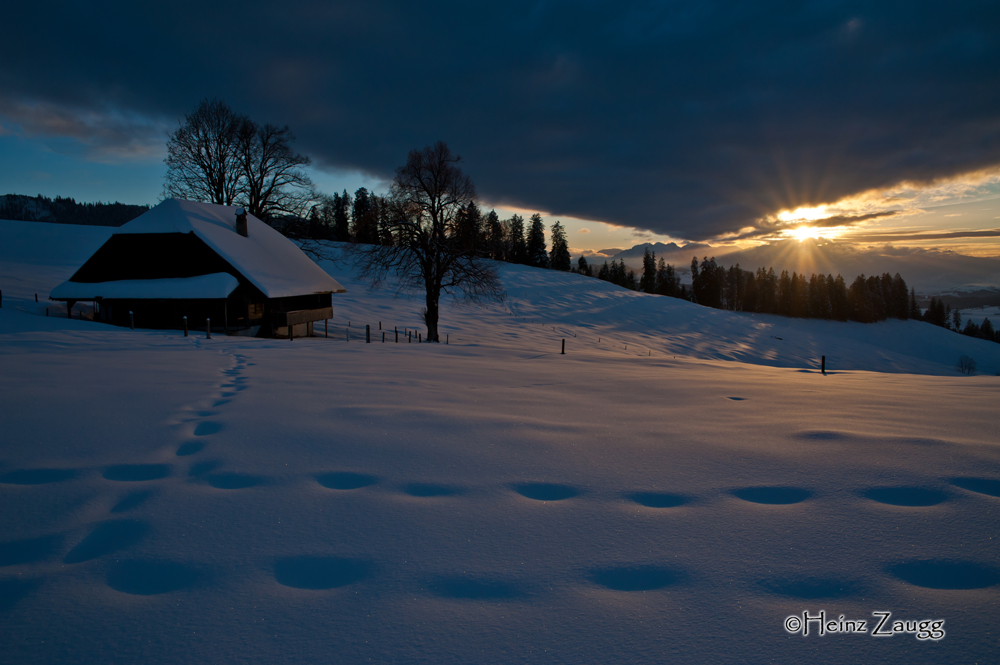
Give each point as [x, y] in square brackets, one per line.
[203, 261]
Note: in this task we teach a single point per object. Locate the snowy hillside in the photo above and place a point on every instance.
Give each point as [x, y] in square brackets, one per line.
[171, 499]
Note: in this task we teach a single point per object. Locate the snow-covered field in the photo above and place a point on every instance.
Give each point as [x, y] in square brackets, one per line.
[171, 499]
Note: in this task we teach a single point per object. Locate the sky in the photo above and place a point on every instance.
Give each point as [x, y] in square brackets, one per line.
[733, 124]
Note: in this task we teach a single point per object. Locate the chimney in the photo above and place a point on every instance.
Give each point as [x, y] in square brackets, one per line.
[241, 222]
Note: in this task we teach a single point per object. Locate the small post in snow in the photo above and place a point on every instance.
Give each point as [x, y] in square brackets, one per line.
[446, 336]
[185, 326]
[326, 327]
[380, 325]
[397, 335]
[291, 333]
[383, 337]
[208, 328]
[347, 333]
[409, 337]
[564, 347]
[822, 365]
[36, 297]
[131, 320]
[368, 334]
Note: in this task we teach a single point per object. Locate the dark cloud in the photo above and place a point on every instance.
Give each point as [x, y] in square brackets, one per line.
[686, 118]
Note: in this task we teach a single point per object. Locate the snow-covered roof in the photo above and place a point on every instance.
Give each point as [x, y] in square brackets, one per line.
[216, 285]
[272, 262]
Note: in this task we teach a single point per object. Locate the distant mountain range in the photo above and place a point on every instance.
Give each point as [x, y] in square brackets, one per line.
[21, 208]
[931, 272]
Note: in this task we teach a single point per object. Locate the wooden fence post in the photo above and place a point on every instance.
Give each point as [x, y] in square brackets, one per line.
[208, 328]
[368, 334]
[326, 327]
[822, 365]
[564, 347]
[131, 320]
[185, 326]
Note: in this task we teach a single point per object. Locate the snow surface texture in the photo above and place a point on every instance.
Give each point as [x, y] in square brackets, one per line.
[171, 499]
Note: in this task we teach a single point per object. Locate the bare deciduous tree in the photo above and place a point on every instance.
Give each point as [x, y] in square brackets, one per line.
[273, 183]
[425, 199]
[202, 156]
[220, 156]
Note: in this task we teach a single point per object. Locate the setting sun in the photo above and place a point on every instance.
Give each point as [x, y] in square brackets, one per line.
[804, 232]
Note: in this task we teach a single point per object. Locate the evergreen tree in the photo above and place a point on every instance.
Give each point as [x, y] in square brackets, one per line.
[647, 283]
[559, 258]
[342, 217]
[914, 312]
[839, 303]
[365, 218]
[986, 331]
[876, 298]
[468, 228]
[517, 249]
[386, 224]
[783, 304]
[936, 313]
[668, 282]
[800, 296]
[604, 273]
[583, 267]
[493, 229]
[900, 300]
[695, 280]
[860, 301]
[537, 255]
[750, 292]
[709, 290]
[618, 272]
[956, 320]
